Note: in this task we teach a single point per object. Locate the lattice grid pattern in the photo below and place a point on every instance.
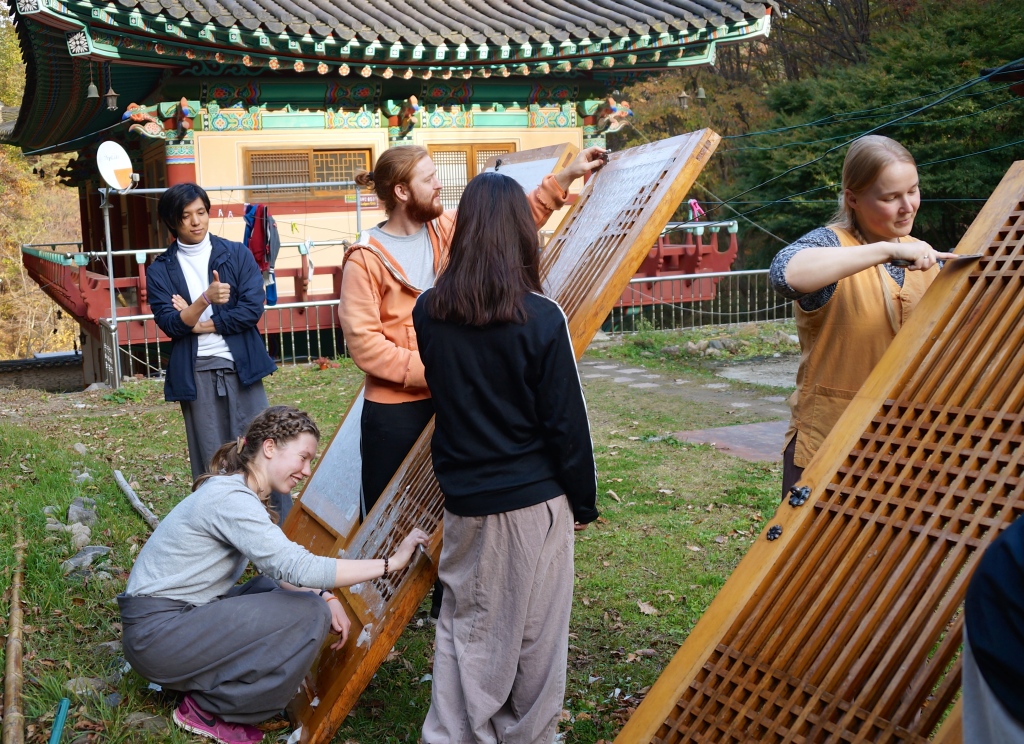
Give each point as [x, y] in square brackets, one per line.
[420, 505]
[484, 154]
[453, 172]
[458, 164]
[616, 220]
[855, 634]
[279, 167]
[338, 165]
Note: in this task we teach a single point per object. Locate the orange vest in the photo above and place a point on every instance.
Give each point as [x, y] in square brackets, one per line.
[842, 342]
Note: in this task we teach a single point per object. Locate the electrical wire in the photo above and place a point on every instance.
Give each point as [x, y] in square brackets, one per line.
[903, 124]
[833, 201]
[76, 139]
[740, 214]
[855, 115]
[898, 119]
[972, 154]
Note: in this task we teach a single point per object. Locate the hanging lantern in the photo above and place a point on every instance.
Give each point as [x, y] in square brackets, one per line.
[684, 100]
[110, 98]
[92, 91]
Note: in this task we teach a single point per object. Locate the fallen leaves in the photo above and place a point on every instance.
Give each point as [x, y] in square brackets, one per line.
[647, 608]
[614, 496]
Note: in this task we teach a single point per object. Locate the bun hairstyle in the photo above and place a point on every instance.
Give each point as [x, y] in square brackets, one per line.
[394, 167]
[279, 423]
[865, 160]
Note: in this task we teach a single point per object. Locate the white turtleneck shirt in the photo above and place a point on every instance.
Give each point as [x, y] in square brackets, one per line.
[194, 261]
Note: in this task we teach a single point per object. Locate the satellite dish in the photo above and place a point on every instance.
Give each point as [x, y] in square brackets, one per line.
[115, 166]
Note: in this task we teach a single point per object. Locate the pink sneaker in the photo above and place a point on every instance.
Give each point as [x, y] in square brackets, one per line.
[191, 717]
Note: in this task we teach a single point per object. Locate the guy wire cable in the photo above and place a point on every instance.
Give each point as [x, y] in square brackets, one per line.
[855, 115]
[963, 86]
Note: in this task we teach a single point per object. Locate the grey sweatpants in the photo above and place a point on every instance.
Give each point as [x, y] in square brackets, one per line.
[222, 410]
[503, 635]
[986, 720]
[241, 657]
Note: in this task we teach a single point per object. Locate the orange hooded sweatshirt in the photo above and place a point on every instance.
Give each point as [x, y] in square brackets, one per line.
[377, 301]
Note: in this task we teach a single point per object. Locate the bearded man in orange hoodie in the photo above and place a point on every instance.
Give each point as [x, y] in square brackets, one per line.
[382, 276]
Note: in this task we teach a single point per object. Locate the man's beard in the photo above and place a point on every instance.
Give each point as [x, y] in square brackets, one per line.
[424, 211]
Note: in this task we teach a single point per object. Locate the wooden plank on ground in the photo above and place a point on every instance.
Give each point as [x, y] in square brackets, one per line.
[848, 626]
[585, 267]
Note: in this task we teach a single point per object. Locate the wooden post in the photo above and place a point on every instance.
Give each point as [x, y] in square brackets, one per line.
[14, 718]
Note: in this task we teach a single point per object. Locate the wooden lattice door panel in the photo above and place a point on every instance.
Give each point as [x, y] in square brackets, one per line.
[529, 167]
[848, 627]
[586, 266]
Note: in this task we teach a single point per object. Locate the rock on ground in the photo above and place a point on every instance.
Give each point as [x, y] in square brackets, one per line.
[84, 557]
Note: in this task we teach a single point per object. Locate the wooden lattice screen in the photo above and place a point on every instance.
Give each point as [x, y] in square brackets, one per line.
[585, 266]
[848, 626]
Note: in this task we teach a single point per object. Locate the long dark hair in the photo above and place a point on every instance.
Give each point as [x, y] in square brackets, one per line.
[493, 261]
[280, 423]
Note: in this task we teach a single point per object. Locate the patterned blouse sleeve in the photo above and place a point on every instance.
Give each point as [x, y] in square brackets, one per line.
[821, 237]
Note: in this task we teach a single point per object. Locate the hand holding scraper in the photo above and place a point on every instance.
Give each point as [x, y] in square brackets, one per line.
[907, 255]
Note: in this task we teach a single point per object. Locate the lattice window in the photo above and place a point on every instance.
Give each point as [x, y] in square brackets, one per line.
[338, 165]
[483, 155]
[279, 167]
[311, 166]
[453, 172]
[457, 164]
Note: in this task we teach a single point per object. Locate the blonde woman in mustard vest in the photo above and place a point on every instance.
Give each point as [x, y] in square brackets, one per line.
[850, 298]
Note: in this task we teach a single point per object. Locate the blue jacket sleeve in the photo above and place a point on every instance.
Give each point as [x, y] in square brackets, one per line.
[248, 283]
[562, 412]
[159, 291]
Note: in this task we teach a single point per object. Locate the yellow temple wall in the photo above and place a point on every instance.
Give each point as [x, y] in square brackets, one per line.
[220, 161]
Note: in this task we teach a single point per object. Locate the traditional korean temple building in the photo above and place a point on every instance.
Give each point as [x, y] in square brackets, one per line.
[232, 92]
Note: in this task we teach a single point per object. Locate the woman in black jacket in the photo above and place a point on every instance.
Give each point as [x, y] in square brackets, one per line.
[207, 296]
[513, 455]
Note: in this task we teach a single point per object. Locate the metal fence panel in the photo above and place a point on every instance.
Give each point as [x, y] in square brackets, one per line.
[305, 331]
[694, 300]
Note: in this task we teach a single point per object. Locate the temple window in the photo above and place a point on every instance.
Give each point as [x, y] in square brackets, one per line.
[456, 164]
[305, 165]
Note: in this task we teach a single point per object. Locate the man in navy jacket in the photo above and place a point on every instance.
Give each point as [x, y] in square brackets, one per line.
[207, 296]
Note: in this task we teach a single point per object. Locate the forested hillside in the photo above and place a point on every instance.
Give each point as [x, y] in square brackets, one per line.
[818, 82]
[830, 71]
[32, 210]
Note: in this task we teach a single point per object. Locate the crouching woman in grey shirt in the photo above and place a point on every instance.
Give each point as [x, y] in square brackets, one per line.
[239, 652]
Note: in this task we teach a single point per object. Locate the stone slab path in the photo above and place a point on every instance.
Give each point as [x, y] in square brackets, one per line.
[755, 442]
[751, 441]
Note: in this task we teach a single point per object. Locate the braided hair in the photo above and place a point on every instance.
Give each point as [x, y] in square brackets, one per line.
[279, 423]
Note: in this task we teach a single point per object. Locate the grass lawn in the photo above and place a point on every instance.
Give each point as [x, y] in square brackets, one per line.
[676, 519]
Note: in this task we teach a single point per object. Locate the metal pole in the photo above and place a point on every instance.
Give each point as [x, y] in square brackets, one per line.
[116, 351]
[359, 214]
